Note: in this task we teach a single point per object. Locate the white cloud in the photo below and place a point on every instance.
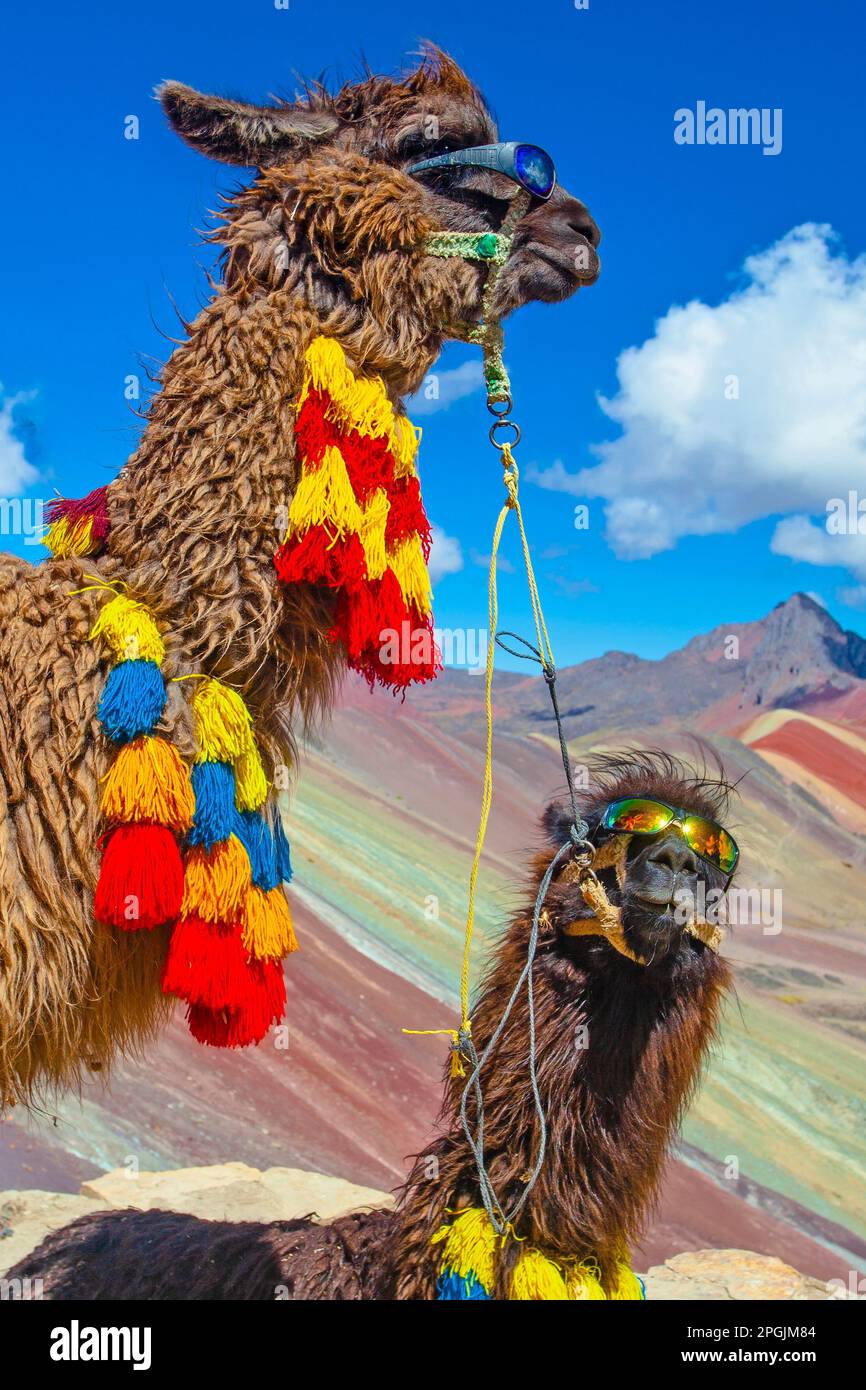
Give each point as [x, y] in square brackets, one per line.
[446, 555]
[442, 389]
[854, 597]
[801, 539]
[503, 564]
[692, 461]
[16, 473]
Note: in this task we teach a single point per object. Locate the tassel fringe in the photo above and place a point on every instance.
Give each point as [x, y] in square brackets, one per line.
[357, 523]
[471, 1248]
[149, 781]
[78, 527]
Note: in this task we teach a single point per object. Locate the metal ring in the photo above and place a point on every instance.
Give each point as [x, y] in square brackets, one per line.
[500, 406]
[504, 424]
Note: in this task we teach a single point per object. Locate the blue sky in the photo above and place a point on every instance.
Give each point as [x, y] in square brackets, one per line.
[100, 234]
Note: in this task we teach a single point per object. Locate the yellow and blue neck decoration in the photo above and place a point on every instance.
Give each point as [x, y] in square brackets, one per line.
[471, 1247]
[199, 850]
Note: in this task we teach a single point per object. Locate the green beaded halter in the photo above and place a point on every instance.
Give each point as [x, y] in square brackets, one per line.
[494, 248]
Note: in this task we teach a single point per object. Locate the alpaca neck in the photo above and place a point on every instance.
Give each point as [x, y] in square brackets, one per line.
[618, 1056]
[201, 506]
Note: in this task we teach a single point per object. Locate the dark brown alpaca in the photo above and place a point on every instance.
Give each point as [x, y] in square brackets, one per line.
[613, 1099]
[328, 238]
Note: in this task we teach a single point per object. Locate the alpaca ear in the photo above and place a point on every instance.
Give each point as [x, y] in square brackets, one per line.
[239, 133]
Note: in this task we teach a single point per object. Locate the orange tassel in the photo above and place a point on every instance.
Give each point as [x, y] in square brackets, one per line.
[216, 881]
[149, 781]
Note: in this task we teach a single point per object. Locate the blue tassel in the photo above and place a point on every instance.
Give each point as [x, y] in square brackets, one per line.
[451, 1285]
[215, 815]
[132, 701]
[281, 850]
[255, 835]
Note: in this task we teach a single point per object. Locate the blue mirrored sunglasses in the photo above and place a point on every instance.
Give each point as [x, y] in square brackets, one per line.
[527, 165]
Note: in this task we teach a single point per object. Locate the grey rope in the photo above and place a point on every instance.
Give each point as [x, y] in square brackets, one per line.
[499, 1218]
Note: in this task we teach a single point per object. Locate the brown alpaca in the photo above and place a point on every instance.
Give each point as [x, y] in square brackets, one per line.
[327, 239]
[613, 1100]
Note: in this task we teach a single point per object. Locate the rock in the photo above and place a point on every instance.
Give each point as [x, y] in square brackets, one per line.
[26, 1218]
[712, 1275]
[236, 1192]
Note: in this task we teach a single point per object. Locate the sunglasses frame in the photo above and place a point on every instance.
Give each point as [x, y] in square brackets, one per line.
[678, 816]
[501, 158]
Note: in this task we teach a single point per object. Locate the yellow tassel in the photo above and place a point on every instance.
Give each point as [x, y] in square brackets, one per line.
[470, 1246]
[324, 496]
[359, 403]
[627, 1285]
[536, 1277]
[407, 562]
[374, 519]
[216, 882]
[404, 446]
[584, 1281]
[129, 631]
[251, 784]
[223, 724]
[63, 539]
[149, 781]
[268, 932]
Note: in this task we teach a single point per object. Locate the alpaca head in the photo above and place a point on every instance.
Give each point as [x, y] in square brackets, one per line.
[653, 878]
[333, 211]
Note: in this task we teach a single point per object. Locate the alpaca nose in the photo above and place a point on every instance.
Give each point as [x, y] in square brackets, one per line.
[577, 218]
[561, 220]
[673, 853]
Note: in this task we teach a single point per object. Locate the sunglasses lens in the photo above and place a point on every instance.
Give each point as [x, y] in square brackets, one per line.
[711, 842]
[636, 816]
[535, 170]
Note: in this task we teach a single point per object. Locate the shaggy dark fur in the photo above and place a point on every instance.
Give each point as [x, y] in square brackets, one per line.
[163, 1255]
[613, 1100]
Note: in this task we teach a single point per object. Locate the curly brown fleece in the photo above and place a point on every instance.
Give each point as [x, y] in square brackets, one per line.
[326, 239]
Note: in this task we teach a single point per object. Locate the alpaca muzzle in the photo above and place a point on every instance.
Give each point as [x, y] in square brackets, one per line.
[606, 920]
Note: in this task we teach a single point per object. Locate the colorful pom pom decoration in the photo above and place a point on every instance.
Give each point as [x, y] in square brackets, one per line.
[235, 925]
[357, 524]
[222, 891]
[471, 1248]
[147, 796]
[77, 527]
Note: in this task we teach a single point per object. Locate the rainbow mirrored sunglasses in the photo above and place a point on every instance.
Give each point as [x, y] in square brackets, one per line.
[528, 165]
[636, 815]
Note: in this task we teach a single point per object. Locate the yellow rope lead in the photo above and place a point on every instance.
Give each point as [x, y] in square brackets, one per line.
[512, 504]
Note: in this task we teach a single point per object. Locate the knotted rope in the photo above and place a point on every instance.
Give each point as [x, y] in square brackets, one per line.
[462, 1045]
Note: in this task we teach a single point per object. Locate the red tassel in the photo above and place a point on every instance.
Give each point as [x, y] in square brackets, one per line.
[358, 620]
[317, 559]
[407, 515]
[206, 964]
[141, 879]
[93, 508]
[369, 464]
[420, 660]
[263, 1006]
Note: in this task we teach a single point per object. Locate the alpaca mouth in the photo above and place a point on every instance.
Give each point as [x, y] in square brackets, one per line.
[570, 262]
